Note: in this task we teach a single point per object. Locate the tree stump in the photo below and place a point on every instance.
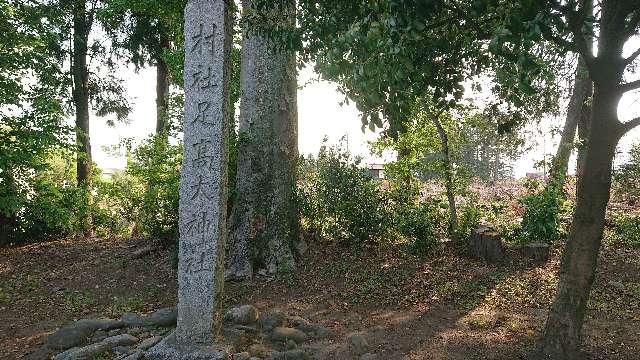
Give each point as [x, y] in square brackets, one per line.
[486, 244]
[537, 251]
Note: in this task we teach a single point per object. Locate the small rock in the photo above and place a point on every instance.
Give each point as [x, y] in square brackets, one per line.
[291, 355]
[369, 356]
[271, 320]
[162, 318]
[242, 356]
[357, 344]
[315, 331]
[290, 345]
[282, 334]
[295, 321]
[115, 332]
[142, 252]
[242, 315]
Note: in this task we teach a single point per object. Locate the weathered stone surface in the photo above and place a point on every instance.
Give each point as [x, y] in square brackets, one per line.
[87, 352]
[242, 315]
[170, 349]
[358, 345]
[486, 244]
[78, 332]
[163, 318]
[271, 319]
[283, 334]
[203, 182]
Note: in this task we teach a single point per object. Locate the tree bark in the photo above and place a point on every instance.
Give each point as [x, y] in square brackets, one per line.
[448, 176]
[563, 329]
[80, 73]
[162, 91]
[582, 89]
[264, 220]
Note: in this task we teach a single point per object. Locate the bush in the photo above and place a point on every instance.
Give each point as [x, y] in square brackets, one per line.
[627, 177]
[543, 213]
[339, 200]
[45, 205]
[154, 172]
[626, 230]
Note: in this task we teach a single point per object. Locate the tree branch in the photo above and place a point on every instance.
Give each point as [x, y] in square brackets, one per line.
[631, 124]
[632, 57]
[633, 85]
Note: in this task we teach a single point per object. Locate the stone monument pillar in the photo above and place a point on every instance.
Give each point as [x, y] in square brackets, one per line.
[203, 184]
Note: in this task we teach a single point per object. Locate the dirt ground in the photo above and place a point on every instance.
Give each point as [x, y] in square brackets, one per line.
[444, 306]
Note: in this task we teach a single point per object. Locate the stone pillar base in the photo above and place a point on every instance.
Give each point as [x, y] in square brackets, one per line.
[169, 349]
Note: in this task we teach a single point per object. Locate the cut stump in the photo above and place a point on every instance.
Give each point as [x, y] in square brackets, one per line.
[486, 244]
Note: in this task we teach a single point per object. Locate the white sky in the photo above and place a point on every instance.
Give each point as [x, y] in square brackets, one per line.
[320, 115]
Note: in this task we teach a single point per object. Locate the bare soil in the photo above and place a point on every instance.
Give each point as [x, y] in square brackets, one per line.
[443, 306]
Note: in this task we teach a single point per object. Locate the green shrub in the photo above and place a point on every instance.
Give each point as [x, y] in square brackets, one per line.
[154, 167]
[627, 176]
[543, 213]
[469, 217]
[339, 200]
[423, 224]
[626, 230]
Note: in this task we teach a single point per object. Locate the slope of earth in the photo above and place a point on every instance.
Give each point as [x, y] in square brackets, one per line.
[445, 306]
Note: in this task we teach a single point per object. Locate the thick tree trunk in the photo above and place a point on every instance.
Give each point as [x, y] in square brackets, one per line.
[162, 92]
[562, 334]
[582, 89]
[264, 221]
[80, 73]
[448, 176]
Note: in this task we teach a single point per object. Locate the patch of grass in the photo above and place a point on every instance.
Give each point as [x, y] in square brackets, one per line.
[127, 305]
[30, 283]
[78, 302]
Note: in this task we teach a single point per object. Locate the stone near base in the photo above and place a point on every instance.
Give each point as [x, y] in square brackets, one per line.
[169, 349]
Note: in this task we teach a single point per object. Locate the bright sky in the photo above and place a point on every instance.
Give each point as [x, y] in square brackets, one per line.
[320, 115]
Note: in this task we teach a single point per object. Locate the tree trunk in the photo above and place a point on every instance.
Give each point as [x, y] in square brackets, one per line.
[582, 89]
[448, 176]
[264, 220]
[584, 125]
[562, 334]
[80, 73]
[162, 91]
